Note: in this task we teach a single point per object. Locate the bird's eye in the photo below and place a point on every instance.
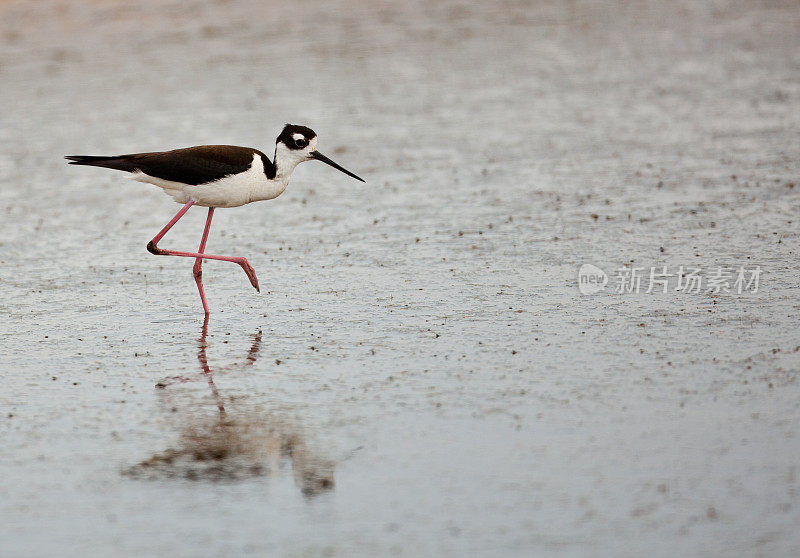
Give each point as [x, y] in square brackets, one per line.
[301, 142]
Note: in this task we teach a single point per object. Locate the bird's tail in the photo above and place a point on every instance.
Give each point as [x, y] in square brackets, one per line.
[120, 162]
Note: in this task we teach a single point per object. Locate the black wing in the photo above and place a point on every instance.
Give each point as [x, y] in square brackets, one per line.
[192, 165]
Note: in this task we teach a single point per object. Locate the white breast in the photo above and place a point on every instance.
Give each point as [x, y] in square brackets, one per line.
[231, 191]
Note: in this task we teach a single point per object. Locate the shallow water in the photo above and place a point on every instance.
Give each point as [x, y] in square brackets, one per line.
[420, 374]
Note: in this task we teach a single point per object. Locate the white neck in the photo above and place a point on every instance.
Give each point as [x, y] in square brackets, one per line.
[285, 162]
[261, 188]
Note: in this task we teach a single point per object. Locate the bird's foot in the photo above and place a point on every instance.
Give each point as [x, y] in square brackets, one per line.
[251, 273]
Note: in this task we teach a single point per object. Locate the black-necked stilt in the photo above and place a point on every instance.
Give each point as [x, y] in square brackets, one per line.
[217, 176]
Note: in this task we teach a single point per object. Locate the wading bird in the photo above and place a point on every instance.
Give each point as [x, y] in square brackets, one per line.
[216, 176]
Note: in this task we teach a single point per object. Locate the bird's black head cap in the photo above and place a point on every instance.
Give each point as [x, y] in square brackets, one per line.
[295, 136]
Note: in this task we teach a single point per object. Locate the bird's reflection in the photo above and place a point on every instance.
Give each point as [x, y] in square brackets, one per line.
[235, 444]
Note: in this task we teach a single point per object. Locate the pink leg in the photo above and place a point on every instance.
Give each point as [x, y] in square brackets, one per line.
[154, 249]
[198, 263]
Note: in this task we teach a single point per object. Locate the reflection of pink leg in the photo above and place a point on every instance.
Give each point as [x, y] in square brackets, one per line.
[154, 249]
[198, 263]
[201, 356]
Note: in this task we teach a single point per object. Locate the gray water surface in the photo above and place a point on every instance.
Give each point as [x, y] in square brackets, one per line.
[420, 374]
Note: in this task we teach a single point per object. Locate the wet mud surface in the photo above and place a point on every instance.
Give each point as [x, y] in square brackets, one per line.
[420, 373]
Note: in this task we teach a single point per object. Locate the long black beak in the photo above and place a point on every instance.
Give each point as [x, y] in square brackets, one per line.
[320, 157]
